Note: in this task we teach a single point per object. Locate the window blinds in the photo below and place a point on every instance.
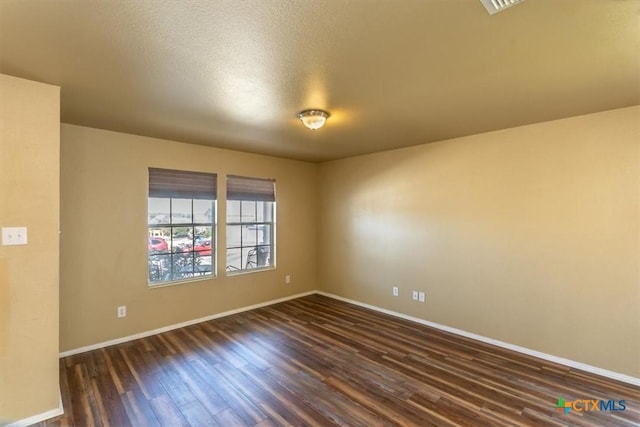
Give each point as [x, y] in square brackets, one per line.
[182, 184]
[243, 188]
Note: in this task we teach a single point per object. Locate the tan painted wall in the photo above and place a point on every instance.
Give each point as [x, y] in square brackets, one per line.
[29, 196]
[527, 235]
[104, 235]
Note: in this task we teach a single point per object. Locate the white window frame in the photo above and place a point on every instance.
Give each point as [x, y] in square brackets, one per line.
[256, 255]
[186, 261]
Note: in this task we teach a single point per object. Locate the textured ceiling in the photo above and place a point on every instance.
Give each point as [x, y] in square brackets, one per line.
[392, 73]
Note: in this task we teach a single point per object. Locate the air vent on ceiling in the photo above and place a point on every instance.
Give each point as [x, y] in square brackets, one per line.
[495, 6]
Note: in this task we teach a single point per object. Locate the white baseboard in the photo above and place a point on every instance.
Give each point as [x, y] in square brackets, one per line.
[544, 356]
[551, 358]
[52, 413]
[179, 325]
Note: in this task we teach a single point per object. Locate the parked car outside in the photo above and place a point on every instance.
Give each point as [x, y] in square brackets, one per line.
[202, 247]
[158, 244]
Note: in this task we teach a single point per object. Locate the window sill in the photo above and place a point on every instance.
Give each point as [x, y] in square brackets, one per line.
[253, 270]
[180, 282]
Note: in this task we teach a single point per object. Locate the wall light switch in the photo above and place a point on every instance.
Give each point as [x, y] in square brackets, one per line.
[14, 236]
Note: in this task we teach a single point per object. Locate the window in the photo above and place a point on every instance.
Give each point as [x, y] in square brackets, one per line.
[251, 206]
[181, 225]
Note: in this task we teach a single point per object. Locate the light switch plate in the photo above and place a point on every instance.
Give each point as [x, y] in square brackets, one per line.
[14, 236]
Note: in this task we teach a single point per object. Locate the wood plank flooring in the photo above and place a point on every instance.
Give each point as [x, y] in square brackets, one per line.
[315, 361]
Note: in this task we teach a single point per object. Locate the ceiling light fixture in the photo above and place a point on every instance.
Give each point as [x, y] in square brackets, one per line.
[313, 119]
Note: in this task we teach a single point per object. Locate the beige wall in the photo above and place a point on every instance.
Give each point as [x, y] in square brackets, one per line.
[527, 235]
[104, 235]
[29, 196]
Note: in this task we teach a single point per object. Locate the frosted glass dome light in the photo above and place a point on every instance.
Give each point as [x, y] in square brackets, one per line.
[313, 119]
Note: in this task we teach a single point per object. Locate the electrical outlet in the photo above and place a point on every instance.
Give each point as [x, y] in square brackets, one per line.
[414, 295]
[14, 236]
[122, 311]
[396, 292]
[421, 297]
[287, 279]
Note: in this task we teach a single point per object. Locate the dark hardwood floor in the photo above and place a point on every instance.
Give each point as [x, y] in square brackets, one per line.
[315, 361]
